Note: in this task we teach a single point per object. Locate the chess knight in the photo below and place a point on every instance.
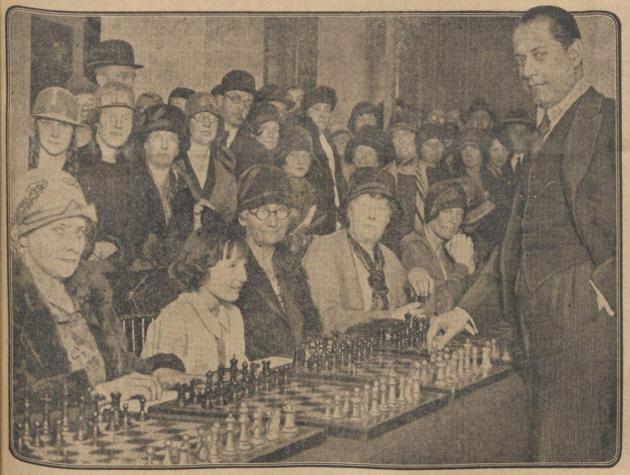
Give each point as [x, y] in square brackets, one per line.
[555, 275]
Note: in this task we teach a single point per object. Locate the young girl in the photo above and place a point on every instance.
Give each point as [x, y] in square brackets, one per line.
[202, 326]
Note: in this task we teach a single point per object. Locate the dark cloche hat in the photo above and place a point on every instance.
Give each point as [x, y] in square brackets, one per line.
[403, 119]
[260, 185]
[110, 53]
[444, 195]
[293, 139]
[371, 180]
[320, 94]
[365, 107]
[237, 80]
[181, 92]
[369, 136]
[163, 117]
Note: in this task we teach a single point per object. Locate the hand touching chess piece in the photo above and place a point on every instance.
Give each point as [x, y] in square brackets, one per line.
[421, 282]
[462, 250]
[410, 308]
[443, 327]
[168, 377]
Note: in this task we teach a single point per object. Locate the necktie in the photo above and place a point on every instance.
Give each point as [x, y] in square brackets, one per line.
[540, 133]
[421, 193]
[376, 277]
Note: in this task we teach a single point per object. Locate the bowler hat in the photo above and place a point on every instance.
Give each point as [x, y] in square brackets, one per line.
[320, 94]
[115, 94]
[201, 102]
[110, 53]
[260, 185]
[163, 117]
[518, 116]
[46, 197]
[58, 104]
[238, 80]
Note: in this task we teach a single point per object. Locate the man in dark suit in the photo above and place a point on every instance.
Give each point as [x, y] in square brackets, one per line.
[276, 303]
[518, 127]
[555, 274]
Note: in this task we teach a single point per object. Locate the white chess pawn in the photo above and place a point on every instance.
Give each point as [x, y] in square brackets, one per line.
[243, 439]
[258, 428]
[374, 411]
[486, 353]
[337, 408]
[229, 448]
[392, 402]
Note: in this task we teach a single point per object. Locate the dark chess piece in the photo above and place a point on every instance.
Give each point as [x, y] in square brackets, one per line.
[233, 368]
[142, 415]
[116, 410]
[125, 417]
[209, 378]
[221, 372]
[180, 395]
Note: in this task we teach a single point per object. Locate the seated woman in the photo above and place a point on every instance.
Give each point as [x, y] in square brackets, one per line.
[352, 277]
[65, 333]
[440, 248]
[201, 326]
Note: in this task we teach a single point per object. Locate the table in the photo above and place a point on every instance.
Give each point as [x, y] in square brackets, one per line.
[488, 425]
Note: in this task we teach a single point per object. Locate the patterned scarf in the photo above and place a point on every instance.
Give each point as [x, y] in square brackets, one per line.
[376, 277]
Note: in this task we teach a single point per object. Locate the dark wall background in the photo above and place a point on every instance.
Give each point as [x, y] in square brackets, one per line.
[449, 61]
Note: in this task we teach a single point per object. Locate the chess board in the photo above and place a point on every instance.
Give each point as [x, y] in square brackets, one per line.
[129, 448]
[310, 398]
[381, 365]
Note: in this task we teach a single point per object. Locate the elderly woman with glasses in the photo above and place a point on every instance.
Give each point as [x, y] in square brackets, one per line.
[277, 309]
[65, 333]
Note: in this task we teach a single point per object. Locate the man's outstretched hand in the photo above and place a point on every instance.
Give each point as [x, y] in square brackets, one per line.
[443, 327]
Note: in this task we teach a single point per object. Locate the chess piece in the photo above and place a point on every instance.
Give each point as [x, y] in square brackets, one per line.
[425, 376]
[81, 433]
[467, 353]
[273, 428]
[402, 388]
[392, 402]
[243, 441]
[366, 399]
[374, 400]
[337, 408]
[440, 376]
[461, 371]
[383, 407]
[475, 360]
[203, 445]
[258, 428]
[142, 415]
[46, 420]
[327, 411]
[347, 406]
[486, 353]
[495, 353]
[64, 409]
[229, 449]
[215, 444]
[37, 435]
[116, 410]
[185, 457]
[356, 405]
[60, 435]
[96, 430]
[125, 417]
[27, 419]
[20, 443]
[289, 420]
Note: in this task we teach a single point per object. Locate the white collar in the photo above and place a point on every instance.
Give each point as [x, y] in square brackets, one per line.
[556, 112]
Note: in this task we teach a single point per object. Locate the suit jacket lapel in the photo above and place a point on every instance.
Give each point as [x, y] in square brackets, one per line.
[346, 261]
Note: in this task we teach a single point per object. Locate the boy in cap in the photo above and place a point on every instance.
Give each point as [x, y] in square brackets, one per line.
[204, 167]
[112, 61]
[56, 119]
[326, 173]
[275, 301]
[352, 276]
[440, 248]
[106, 164]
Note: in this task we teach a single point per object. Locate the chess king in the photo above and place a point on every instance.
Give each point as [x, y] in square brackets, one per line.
[554, 277]
[65, 333]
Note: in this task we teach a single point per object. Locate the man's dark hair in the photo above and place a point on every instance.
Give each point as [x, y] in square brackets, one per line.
[563, 26]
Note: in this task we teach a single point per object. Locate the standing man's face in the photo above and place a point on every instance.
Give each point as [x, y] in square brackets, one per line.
[235, 106]
[116, 73]
[114, 125]
[547, 69]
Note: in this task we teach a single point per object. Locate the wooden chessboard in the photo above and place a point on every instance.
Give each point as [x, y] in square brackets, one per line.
[128, 448]
[309, 398]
